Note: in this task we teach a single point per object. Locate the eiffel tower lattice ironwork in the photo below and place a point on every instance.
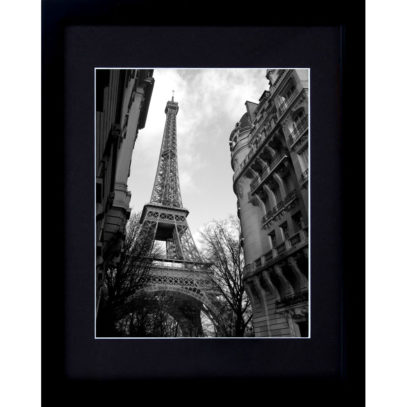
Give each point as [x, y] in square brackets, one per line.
[182, 272]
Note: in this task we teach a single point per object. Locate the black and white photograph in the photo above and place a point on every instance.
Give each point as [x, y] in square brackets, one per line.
[202, 206]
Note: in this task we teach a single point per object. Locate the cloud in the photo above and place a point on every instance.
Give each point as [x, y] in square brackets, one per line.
[186, 182]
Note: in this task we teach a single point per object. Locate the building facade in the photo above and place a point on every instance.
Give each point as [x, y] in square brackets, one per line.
[122, 103]
[269, 152]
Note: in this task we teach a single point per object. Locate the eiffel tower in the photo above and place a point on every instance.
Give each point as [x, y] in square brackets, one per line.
[182, 274]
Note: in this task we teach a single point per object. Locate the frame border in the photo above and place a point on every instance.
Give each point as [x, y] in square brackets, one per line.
[56, 16]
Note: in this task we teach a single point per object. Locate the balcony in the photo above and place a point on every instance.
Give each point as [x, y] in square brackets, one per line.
[273, 211]
[280, 205]
[299, 237]
[270, 255]
[248, 268]
[285, 105]
[292, 300]
[257, 263]
[290, 197]
[304, 176]
[289, 245]
[277, 159]
[295, 239]
[254, 184]
[281, 248]
[298, 131]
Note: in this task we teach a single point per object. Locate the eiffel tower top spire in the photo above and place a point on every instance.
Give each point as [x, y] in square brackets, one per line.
[166, 189]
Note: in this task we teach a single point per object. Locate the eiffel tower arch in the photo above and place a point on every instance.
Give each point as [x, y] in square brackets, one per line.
[182, 274]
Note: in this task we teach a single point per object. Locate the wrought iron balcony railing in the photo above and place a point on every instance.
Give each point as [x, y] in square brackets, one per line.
[290, 196]
[298, 238]
[280, 205]
[277, 159]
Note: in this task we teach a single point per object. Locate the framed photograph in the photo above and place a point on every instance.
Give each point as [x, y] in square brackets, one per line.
[209, 238]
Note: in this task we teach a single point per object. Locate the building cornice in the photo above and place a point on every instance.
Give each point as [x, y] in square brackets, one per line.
[148, 90]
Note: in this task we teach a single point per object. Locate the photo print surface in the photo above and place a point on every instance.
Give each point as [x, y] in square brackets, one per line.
[202, 203]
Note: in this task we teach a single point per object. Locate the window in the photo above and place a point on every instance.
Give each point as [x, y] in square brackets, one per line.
[290, 91]
[273, 239]
[297, 118]
[284, 230]
[298, 221]
[99, 192]
[304, 159]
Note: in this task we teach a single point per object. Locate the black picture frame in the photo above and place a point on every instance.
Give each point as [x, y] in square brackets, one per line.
[77, 35]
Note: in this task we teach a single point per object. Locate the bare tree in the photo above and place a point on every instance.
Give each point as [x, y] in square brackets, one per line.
[223, 249]
[123, 278]
[150, 318]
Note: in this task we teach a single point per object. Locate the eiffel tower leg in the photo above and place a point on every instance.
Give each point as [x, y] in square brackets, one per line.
[174, 249]
[146, 237]
[188, 245]
[177, 241]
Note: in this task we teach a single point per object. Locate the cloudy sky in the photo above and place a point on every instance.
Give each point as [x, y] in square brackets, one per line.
[211, 101]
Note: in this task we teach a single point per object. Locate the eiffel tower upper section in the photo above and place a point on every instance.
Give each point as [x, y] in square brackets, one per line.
[165, 218]
[166, 190]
